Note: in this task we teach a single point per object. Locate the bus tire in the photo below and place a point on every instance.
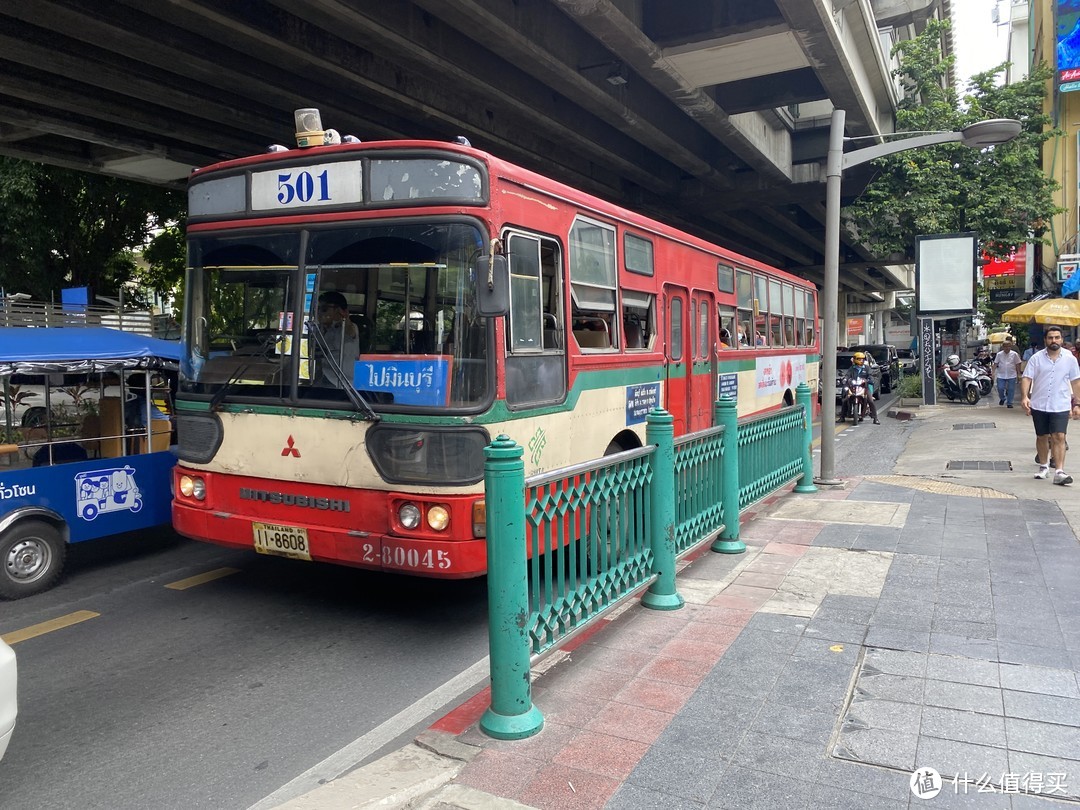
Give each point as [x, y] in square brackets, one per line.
[32, 554]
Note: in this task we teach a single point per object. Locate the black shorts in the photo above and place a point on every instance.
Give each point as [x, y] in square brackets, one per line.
[1047, 422]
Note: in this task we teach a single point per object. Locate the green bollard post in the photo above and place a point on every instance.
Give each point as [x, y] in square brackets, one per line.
[511, 715]
[660, 430]
[726, 413]
[806, 481]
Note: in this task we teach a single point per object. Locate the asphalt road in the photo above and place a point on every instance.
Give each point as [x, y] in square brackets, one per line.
[216, 695]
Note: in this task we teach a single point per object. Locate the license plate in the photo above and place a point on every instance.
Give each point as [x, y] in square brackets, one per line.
[282, 541]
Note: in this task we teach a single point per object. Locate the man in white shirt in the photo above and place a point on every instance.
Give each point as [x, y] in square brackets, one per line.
[342, 339]
[1006, 369]
[1050, 392]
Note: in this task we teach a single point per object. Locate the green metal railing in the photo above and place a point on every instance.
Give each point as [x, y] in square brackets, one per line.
[699, 501]
[769, 454]
[592, 534]
[586, 535]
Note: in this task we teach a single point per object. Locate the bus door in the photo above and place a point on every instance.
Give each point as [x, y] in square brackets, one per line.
[702, 370]
[678, 350]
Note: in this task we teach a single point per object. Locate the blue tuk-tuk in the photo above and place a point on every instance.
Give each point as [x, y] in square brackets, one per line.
[85, 430]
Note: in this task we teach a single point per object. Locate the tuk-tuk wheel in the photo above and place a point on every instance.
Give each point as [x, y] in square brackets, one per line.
[32, 554]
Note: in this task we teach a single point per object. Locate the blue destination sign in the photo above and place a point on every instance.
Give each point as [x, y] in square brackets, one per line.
[420, 380]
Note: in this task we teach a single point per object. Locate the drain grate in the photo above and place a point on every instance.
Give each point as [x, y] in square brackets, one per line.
[975, 426]
[992, 466]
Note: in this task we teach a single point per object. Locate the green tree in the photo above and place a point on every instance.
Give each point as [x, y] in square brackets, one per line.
[63, 228]
[1002, 194]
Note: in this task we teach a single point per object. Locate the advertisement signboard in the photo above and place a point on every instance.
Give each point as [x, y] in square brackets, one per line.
[1004, 278]
[1067, 41]
[945, 268]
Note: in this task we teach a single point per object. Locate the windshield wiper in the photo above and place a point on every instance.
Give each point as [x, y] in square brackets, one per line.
[343, 382]
[234, 378]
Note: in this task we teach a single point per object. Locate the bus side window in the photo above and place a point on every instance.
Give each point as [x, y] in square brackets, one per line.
[727, 328]
[639, 319]
[593, 284]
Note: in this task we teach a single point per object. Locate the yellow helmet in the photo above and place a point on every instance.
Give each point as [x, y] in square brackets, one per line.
[858, 357]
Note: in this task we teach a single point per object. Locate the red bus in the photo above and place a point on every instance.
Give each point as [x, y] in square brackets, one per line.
[362, 319]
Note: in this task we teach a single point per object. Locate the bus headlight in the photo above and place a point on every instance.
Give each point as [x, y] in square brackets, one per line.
[191, 487]
[409, 515]
[438, 518]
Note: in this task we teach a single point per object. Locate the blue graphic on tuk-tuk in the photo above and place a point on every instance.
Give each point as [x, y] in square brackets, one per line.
[109, 490]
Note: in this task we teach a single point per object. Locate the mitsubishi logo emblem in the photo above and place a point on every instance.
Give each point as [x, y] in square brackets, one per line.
[290, 449]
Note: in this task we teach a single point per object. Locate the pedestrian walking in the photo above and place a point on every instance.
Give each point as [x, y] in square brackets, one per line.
[1006, 369]
[1050, 393]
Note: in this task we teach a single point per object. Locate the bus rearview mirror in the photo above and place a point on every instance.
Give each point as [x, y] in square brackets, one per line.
[492, 286]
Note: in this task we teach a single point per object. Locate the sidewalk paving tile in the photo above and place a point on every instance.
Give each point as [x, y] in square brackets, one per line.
[602, 754]
[629, 722]
[1010, 652]
[964, 696]
[795, 722]
[1046, 708]
[963, 726]
[747, 789]
[963, 670]
[895, 638]
[1041, 680]
[894, 662]
[876, 746]
[678, 773]
[884, 714]
[558, 787]
[650, 694]
[950, 758]
[1047, 739]
[1046, 769]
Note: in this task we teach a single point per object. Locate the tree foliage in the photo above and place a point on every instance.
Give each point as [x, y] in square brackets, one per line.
[1002, 193]
[62, 228]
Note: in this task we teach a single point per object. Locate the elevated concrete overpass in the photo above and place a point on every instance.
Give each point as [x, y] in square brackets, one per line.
[710, 114]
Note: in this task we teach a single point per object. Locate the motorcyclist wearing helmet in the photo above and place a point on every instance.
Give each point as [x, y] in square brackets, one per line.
[860, 369]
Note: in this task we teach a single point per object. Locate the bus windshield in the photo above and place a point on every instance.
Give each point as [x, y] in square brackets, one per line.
[387, 310]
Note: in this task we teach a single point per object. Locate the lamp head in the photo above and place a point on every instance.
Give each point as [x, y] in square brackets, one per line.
[990, 132]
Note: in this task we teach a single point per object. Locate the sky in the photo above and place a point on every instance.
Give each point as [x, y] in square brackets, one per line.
[979, 43]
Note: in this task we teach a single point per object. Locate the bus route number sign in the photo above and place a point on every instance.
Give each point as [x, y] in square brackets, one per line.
[311, 186]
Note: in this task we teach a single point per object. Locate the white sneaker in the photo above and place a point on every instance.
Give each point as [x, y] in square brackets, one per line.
[1043, 472]
[1061, 477]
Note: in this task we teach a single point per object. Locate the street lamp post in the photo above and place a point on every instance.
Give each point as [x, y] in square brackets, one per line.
[978, 135]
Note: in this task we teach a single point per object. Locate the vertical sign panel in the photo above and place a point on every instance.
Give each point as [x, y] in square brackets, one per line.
[928, 361]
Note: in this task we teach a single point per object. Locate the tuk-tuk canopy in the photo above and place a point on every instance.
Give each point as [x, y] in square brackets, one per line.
[73, 350]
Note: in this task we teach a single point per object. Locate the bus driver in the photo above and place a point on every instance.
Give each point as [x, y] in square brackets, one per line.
[341, 336]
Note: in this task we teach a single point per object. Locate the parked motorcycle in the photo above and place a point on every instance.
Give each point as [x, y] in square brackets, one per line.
[856, 403]
[957, 382]
[982, 374]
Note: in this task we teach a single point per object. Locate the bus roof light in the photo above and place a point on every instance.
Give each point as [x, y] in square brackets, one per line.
[309, 128]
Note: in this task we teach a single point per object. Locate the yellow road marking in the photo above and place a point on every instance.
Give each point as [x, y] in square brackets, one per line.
[201, 579]
[59, 623]
[838, 428]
